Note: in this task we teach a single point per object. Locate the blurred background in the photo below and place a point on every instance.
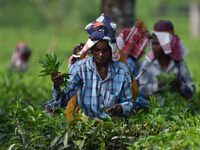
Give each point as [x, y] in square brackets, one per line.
[48, 26]
[57, 26]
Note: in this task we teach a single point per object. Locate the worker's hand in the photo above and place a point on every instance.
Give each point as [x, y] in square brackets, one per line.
[57, 79]
[115, 110]
[175, 84]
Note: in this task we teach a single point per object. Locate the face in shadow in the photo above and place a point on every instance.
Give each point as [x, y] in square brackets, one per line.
[101, 52]
[157, 49]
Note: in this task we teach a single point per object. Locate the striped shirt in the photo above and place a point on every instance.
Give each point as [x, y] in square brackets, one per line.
[94, 94]
[149, 81]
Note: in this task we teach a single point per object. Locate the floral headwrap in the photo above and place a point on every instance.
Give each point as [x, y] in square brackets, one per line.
[102, 29]
[169, 41]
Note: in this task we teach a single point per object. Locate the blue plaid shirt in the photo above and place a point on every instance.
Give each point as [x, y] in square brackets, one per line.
[94, 94]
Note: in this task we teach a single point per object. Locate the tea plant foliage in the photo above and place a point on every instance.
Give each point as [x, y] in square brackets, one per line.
[50, 64]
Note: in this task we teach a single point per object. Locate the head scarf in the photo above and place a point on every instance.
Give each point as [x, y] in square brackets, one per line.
[164, 26]
[101, 29]
[22, 46]
[23, 51]
[134, 39]
[169, 41]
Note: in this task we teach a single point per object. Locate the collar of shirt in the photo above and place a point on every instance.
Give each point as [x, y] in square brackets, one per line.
[112, 68]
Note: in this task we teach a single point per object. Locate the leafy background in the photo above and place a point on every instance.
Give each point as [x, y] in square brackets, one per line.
[48, 26]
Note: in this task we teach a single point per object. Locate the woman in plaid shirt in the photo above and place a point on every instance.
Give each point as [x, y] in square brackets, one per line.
[103, 83]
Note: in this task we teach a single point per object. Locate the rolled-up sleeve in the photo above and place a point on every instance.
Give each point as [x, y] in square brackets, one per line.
[74, 83]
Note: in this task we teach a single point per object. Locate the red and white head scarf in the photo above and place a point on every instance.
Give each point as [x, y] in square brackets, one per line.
[170, 42]
[134, 38]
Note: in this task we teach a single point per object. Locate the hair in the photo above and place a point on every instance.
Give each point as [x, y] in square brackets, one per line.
[78, 48]
[140, 24]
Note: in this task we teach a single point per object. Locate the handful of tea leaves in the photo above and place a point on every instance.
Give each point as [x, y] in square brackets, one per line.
[167, 77]
[51, 65]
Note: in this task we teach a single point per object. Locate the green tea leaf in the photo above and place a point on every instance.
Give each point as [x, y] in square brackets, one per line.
[50, 64]
[11, 146]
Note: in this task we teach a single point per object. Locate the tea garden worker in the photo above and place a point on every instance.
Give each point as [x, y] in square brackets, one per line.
[20, 57]
[103, 83]
[132, 42]
[166, 56]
